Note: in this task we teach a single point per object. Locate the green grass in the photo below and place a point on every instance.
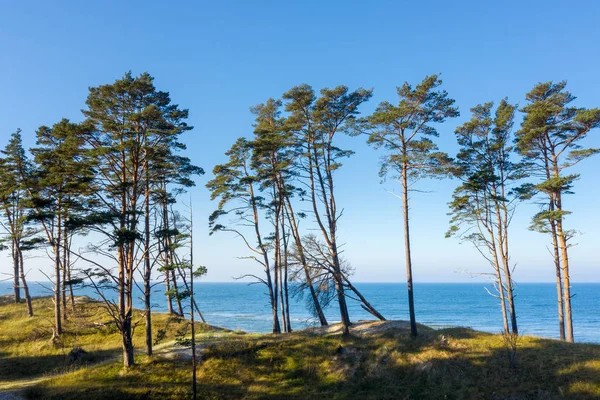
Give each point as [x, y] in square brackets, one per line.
[390, 365]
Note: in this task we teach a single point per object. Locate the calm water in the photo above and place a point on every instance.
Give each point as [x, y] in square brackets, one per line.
[242, 306]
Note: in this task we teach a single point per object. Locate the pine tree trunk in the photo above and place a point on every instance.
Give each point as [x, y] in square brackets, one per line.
[147, 265]
[64, 272]
[16, 285]
[330, 233]
[339, 287]
[176, 293]
[148, 315]
[127, 324]
[285, 301]
[57, 280]
[128, 356]
[502, 238]
[409, 278]
[562, 241]
[365, 304]
[298, 239]
[276, 279]
[559, 281]
[286, 292]
[502, 298]
[556, 253]
[567, 280]
[168, 293]
[24, 283]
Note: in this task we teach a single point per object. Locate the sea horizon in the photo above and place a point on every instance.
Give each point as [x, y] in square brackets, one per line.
[438, 305]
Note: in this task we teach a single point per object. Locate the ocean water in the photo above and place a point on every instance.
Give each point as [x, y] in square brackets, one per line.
[242, 306]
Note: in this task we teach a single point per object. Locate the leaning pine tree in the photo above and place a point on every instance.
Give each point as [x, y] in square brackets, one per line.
[550, 139]
[483, 205]
[315, 122]
[236, 186]
[405, 131]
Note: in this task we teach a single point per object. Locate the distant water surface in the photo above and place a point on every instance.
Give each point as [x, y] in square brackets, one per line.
[242, 306]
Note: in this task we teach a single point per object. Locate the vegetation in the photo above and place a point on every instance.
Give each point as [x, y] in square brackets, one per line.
[118, 175]
[483, 205]
[375, 362]
[405, 132]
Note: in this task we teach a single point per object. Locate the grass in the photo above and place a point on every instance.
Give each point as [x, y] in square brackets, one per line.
[385, 365]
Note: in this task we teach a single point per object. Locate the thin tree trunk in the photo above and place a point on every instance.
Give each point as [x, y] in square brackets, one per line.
[502, 298]
[339, 287]
[128, 328]
[24, 283]
[562, 240]
[556, 253]
[57, 280]
[298, 239]
[16, 285]
[68, 264]
[176, 292]
[276, 270]
[409, 278]
[502, 237]
[330, 237]
[64, 272]
[285, 273]
[559, 281]
[147, 265]
[566, 277]
[365, 304]
[272, 293]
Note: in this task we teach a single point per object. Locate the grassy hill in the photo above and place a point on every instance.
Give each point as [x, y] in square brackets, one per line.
[379, 361]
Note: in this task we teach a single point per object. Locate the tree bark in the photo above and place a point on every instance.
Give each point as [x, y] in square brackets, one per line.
[298, 239]
[16, 285]
[409, 277]
[502, 237]
[566, 276]
[559, 280]
[147, 265]
[24, 284]
[269, 283]
[64, 272]
[57, 280]
[365, 304]
[330, 234]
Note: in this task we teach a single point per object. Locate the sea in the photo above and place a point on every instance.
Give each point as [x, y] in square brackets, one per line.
[245, 307]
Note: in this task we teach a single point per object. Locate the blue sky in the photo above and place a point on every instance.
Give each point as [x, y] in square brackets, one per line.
[220, 58]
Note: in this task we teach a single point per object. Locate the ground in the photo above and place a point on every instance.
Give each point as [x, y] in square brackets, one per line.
[378, 361]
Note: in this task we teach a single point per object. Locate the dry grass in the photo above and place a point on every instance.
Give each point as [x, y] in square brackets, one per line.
[384, 364]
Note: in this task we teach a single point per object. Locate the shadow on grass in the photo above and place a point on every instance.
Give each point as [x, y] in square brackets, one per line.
[17, 368]
[471, 365]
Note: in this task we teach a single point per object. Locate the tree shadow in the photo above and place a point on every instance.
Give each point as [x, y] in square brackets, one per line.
[466, 365]
[13, 368]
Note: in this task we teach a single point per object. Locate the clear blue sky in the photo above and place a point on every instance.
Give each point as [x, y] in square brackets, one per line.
[220, 58]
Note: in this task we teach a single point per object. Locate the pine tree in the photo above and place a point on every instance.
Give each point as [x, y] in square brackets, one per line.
[60, 178]
[236, 186]
[405, 132]
[128, 118]
[315, 123]
[483, 205]
[550, 139]
[14, 165]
